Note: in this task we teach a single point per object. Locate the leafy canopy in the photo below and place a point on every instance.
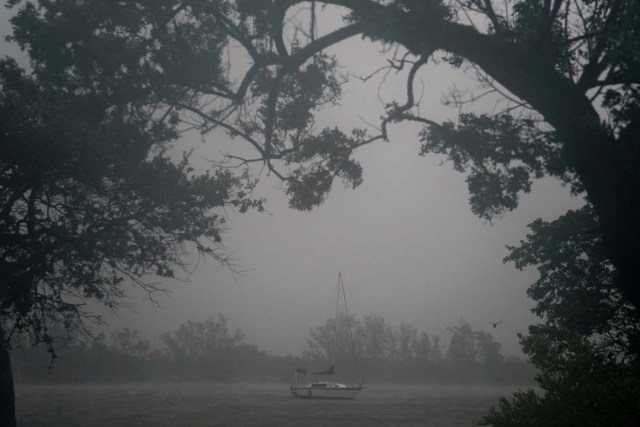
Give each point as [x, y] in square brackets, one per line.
[560, 79]
[586, 349]
[183, 57]
[90, 198]
[563, 76]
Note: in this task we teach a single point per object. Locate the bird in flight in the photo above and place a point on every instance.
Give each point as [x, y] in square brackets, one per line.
[495, 324]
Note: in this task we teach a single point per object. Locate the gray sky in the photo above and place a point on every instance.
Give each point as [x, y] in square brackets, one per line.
[405, 241]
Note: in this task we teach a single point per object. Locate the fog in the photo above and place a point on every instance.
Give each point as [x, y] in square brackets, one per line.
[406, 242]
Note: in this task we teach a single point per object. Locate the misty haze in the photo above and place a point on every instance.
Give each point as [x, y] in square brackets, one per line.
[306, 213]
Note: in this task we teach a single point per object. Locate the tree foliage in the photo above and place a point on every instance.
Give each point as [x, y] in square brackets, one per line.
[323, 339]
[502, 155]
[402, 353]
[196, 351]
[586, 349]
[90, 198]
[575, 290]
[111, 82]
[564, 76]
[194, 341]
[190, 353]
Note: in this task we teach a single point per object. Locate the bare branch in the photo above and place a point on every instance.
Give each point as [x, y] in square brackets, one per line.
[232, 130]
[236, 33]
[302, 55]
[398, 112]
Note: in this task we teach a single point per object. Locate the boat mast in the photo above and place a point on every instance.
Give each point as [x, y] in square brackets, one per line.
[335, 322]
[346, 311]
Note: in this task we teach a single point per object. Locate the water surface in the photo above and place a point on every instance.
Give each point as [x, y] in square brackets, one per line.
[249, 405]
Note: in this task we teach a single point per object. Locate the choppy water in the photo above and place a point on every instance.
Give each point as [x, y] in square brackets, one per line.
[249, 405]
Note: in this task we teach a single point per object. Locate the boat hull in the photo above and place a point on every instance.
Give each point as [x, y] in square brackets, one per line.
[306, 392]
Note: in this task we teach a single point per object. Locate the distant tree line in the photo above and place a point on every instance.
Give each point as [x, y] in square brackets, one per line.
[586, 346]
[196, 351]
[211, 351]
[382, 353]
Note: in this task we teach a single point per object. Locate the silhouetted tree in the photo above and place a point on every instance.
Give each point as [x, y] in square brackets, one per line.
[586, 349]
[148, 64]
[436, 350]
[554, 64]
[195, 341]
[322, 339]
[473, 355]
[424, 349]
[461, 353]
[209, 351]
[90, 199]
[488, 355]
[197, 351]
[127, 342]
[407, 338]
[375, 336]
[396, 354]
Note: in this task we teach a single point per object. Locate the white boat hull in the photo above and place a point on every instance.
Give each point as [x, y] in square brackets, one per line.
[339, 392]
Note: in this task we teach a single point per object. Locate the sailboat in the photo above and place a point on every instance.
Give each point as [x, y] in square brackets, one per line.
[312, 387]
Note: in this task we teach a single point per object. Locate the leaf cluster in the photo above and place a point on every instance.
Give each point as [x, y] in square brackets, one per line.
[321, 158]
[502, 155]
[194, 341]
[575, 290]
[586, 351]
[581, 388]
[90, 198]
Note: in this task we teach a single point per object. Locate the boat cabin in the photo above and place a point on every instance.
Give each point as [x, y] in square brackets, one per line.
[327, 385]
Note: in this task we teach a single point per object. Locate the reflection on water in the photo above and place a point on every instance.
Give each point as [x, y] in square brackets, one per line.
[249, 405]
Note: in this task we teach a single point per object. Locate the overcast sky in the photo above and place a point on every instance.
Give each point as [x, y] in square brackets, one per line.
[406, 242]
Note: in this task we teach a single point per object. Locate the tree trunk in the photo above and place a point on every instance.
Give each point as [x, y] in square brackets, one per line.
[608, 173]
[7, 396]
[606, 166]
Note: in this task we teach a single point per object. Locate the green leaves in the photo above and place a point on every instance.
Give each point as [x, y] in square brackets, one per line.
[586, 351]
[502, 155]
[576, 286]
[322, 157]
[88, 195]
[112, 83]
[540, 31]
[580, 387]
[198, 341]
[523, 410]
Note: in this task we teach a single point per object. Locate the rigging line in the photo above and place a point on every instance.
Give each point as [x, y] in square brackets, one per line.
[346, 310]
[335, 322]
